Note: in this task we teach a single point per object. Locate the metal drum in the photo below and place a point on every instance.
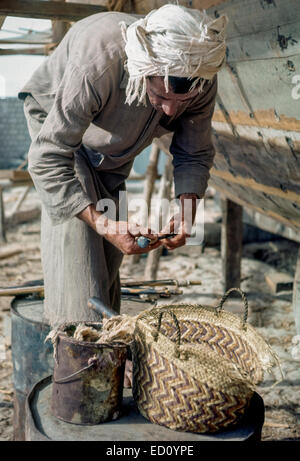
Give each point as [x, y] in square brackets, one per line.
[41, 424]
[32, 358]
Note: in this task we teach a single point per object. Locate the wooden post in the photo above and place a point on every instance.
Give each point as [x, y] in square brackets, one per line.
[231, 243]
[164, 192]
[151, 175]
[21, 199]
[296, 294]
[2, 218]
[48, 9]
[2, 19]
[59, 28]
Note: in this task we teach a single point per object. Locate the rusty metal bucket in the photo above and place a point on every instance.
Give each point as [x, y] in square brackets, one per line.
[87, 380]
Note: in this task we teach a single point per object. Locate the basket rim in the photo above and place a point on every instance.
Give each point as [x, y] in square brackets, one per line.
[266, 358]
[197, 308]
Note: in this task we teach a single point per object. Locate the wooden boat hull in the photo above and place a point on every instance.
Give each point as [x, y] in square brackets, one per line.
[256, 124]
[257, 118]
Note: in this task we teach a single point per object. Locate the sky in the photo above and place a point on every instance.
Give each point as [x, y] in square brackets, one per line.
[15, 70]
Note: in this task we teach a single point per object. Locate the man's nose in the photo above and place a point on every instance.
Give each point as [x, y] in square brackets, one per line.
[169, 107]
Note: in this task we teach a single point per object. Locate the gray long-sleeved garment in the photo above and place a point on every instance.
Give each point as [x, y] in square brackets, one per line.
[81, 87]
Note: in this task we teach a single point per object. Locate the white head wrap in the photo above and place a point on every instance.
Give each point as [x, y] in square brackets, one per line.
[176, 41]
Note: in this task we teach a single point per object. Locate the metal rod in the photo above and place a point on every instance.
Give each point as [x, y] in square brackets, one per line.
[29, 287]
[178, 283]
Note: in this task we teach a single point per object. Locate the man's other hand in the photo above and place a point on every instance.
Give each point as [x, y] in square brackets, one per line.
[181, 223]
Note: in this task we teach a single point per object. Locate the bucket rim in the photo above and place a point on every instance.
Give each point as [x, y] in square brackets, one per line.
[13, 309]
[61, 334]
[115, 345]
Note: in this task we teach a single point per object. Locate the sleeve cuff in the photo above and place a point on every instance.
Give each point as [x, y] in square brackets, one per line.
[63, 215]
[190, 185]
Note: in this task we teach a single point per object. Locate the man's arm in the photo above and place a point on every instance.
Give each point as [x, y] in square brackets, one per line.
[51, 162]
[192, 148]
[51, 154]
[193, 154]
[182, 222]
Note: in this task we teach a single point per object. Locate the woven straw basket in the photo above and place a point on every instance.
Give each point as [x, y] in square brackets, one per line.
[196, 367]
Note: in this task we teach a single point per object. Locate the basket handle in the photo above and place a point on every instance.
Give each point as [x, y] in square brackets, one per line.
[243, 295]
[178, 334]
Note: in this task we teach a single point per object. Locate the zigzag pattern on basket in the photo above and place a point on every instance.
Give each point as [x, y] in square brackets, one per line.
[221, 340]
[168, 396]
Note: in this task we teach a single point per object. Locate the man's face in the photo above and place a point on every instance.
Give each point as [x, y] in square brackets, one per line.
[169, 102]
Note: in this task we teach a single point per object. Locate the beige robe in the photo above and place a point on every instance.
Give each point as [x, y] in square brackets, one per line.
[84, 140]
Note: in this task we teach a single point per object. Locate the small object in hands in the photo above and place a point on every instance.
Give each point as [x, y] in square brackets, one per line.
[144, 242]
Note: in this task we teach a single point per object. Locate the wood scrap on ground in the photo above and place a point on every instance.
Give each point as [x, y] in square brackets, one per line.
[273, 424]
[22, 216]
[6, 251]
[279, 281]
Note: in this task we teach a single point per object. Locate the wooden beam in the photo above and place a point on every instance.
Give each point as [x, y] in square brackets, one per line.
[37, 50]
[288, 222]
[231, 243]
[30, 38]
[24, 41]
[48, 9]
[252, 184]
[12, 249]
[15, 175]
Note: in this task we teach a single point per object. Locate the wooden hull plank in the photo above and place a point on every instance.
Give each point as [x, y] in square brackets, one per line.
[268, 162]
[284, 211]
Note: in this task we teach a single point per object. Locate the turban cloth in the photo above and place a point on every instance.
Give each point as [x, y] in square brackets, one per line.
[173, 41]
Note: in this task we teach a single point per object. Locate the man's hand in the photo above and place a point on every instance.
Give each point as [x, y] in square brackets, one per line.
[181, 223]
[120, 233]
[123, 236]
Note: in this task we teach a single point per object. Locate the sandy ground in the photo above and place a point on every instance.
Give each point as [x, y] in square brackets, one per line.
[270, 314]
